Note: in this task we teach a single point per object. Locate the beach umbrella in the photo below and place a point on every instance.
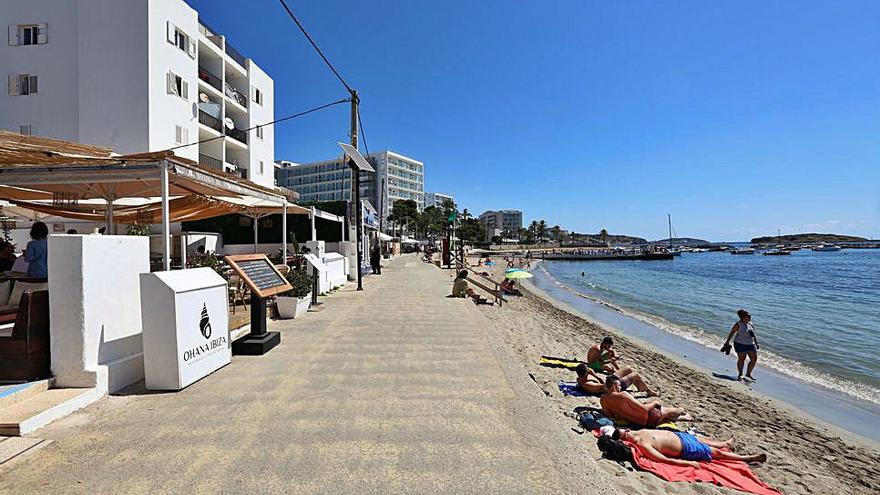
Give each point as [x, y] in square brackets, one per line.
[518, 275]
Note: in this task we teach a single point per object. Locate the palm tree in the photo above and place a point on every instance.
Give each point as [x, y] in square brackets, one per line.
[542, 230]
[465, 214]
[603, 235]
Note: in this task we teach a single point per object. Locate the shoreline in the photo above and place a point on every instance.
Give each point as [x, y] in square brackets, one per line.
[789, 391]
[806, 454]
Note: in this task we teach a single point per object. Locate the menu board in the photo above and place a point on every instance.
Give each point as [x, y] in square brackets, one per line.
[259, 274]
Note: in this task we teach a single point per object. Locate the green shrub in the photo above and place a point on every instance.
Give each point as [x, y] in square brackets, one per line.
[301, 281]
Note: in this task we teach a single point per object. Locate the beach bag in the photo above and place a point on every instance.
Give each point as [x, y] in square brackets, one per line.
[593, 420]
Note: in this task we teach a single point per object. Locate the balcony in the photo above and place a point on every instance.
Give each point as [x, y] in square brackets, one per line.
[236, 95]
[211, 34]
[237, 134]
[212, 122]
[210, 161]
[232, 52]
[207, 76]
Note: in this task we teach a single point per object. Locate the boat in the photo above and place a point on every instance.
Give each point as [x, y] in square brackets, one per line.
[776, 252]
[826, 248]
[669, 249]
[746, 250]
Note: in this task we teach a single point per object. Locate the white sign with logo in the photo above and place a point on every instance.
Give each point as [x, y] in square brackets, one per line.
[185, 326]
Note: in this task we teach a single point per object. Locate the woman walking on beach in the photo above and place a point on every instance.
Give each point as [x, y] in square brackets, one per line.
[744, 343]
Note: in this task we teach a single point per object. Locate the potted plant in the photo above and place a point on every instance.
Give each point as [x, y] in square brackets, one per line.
[296, 301]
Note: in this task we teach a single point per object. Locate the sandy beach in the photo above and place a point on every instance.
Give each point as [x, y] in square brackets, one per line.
[805, 455]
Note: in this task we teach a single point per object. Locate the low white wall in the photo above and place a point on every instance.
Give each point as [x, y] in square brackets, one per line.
[269, 248]
[336, 274]
[94, 309]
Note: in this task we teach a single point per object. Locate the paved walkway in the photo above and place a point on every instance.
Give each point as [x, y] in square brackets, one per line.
[391, 390]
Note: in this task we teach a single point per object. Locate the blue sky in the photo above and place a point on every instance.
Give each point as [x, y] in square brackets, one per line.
[738, 118]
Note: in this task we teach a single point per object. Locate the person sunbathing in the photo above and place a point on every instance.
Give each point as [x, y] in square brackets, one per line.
[681, 448]
[603, 357]
[508, 286]
[594, 383]
[461, 289]
[622, 406]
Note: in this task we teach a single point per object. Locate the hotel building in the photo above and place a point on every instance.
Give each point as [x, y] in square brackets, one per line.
[136, 76]
[503, 220]
[397, 177]
[437, 199]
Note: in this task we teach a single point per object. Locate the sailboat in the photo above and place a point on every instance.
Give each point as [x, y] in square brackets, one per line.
[669, 248]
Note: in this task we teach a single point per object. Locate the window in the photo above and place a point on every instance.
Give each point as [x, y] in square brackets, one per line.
[258, 96]
[261, 166]
[181, 135]
[177, 86]
[260, 132]
[22, 84]
[28, 34]
[180, 39]
[26, 129]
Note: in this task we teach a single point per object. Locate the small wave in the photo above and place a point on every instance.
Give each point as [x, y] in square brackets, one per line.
[779, 363]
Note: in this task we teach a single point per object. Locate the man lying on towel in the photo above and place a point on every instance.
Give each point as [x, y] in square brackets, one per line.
[593, 383]
[622, 406]
[681, 448]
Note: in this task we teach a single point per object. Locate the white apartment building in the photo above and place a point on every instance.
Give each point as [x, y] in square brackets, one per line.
[136, 76]
[397, 177]
[437, 199]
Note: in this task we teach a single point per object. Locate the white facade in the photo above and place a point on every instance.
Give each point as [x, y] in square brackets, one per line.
[437, 199]
[397, 177]
[131, 75]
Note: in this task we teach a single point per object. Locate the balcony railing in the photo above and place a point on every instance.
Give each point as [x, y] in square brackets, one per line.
[210, 33]
[210, 121]
[210, 78]
[236, 95]
[232, 52]
[210, 161]
[237, 134]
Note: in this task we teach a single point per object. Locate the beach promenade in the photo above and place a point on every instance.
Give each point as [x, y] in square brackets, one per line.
[396, 389]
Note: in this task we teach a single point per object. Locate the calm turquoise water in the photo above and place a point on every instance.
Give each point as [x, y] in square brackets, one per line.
[817, 315]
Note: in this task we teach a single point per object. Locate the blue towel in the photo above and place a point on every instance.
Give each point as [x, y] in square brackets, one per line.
[571, 388]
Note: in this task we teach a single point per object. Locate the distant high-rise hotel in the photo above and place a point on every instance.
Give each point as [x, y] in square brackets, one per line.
[503, 220]
[397, 177]
[437, 199]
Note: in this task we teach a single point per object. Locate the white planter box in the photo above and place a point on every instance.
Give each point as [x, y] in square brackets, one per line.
[292, 307]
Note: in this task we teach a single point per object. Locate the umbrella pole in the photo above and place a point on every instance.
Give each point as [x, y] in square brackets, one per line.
[256, 219]
[166, 226]
[284, 233]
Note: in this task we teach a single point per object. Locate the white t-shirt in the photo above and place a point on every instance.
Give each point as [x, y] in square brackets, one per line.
[742, 333]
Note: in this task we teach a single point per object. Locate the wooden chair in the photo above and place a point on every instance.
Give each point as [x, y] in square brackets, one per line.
[237, 291]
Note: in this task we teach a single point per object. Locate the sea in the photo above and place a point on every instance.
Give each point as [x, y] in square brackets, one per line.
[816, 314]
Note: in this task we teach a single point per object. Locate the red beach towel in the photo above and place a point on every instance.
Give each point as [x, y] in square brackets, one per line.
[732, 474]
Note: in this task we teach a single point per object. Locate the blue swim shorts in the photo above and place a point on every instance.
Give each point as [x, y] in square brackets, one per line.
[692, 449]
[741, 348]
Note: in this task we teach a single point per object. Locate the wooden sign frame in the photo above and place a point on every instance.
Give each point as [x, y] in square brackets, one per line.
[233, 260]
